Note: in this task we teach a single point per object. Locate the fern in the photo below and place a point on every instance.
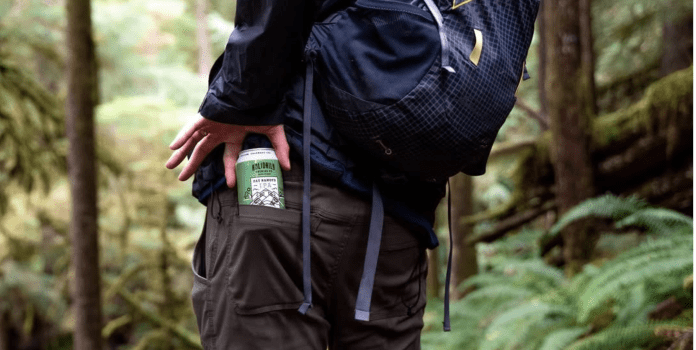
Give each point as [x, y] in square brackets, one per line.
[657, 220]
[665, 261]
[499, 292]
[642, 336]
[484, 280]
[524, 304]
[607, 206]
[560, 339]
[519, 321]
[635, 305]
[653, 245]
[535, 274]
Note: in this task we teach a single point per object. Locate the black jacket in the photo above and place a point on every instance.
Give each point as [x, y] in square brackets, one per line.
[248, 81]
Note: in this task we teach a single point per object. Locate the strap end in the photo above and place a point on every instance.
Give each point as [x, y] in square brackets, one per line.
[304, 308]
[362, 315]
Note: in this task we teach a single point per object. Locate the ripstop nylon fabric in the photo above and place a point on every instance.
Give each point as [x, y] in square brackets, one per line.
[446, 123]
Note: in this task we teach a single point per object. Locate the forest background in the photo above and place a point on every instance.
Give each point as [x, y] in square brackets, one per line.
[579, 236]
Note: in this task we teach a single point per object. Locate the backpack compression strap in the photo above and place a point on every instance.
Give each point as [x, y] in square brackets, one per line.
[362, 304]
[374, 239]
[437, 15]
[306, 133]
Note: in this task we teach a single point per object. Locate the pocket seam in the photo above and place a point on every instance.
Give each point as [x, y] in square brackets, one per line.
[264, 309]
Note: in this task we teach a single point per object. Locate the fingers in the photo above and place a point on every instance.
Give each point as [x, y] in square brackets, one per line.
[280, 144]
[229, 160]
[199, 152]
[183, 135]
[198, 124]
[179, 155]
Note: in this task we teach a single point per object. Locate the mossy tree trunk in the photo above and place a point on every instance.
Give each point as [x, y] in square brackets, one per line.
[543, 60]
[587, 56]
[433, 278]
[464, 264]
[81, 99]
[570, 94]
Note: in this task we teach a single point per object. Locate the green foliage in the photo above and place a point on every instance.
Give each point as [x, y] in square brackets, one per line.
[628, 35]
[560, 339]
[657, 220]
[132, 35]
[655, 264]
[522, 303]
[626, 212]
[32, 145]
[642, 337]
[607, 206]
[522, 324]
[27, 294]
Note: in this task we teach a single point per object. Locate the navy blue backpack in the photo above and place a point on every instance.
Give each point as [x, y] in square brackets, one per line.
[423, 85]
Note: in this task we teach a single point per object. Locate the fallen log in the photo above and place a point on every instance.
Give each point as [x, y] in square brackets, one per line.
[644, 149]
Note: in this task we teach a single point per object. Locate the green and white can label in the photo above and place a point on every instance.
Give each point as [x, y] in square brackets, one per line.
[259, 179]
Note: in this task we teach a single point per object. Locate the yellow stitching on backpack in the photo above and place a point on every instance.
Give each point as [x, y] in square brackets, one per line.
[476, 52]
[455, 5]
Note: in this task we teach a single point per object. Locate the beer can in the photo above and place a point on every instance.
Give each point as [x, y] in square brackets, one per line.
[259, 179]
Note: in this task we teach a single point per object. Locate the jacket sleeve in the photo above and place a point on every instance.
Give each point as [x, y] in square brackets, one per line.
[248, 81]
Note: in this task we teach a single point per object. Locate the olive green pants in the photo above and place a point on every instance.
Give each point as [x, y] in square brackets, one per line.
[248, 275]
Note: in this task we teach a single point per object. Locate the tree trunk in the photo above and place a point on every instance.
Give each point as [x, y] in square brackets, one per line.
[433, 278]
[464, 264]
[570, 105]
[4, 331]
[543, 61]
[677, 34]
[205, 60]
[81, 98]
[588, 56]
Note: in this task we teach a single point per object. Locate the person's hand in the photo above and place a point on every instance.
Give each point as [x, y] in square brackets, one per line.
[203, 135]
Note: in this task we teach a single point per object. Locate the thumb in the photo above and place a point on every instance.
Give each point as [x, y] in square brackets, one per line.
[229, 159]
[280, 143]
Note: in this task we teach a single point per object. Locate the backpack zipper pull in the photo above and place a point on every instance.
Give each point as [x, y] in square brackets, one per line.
[387, 150]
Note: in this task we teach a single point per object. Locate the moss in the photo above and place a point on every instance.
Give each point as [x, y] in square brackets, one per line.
[664, 98]
[665, 105]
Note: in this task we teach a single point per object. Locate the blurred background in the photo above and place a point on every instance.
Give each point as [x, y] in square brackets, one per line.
[579, 235]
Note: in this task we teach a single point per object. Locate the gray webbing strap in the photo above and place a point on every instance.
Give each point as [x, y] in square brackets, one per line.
[444, 59]
[306, 133]
[446, 321]
[374, 238]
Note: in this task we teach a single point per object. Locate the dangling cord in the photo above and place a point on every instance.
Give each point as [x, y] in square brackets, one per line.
[446, 322]
[413, 273]
[306, 133]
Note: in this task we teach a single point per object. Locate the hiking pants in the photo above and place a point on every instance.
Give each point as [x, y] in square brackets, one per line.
[247, 269]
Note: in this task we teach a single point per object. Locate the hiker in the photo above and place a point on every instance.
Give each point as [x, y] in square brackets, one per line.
[343, 266]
